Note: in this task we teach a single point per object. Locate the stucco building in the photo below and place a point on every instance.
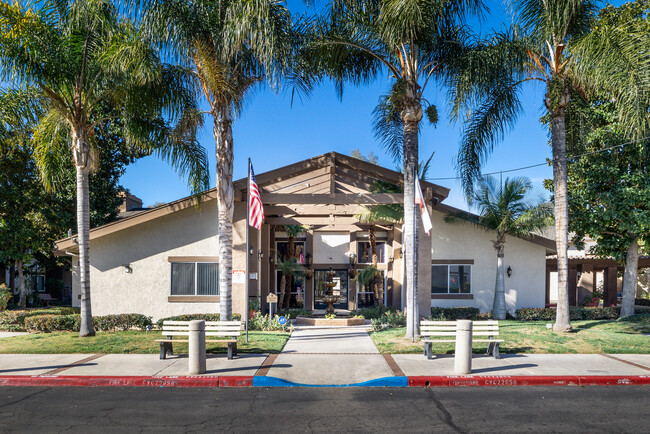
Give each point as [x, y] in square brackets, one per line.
[164, 261]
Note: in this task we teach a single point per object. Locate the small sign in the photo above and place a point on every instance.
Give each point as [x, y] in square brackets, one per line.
[253, 276]
[282, 320]
[238, 276]
[271, 298]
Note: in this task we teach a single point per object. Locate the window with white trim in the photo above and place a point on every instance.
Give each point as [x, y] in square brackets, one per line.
[195, 278]
[451, 279]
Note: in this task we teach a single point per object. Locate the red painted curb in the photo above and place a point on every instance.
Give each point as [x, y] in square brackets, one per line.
[527, 380]
[239, 381]
[92, 381]
[424, 381]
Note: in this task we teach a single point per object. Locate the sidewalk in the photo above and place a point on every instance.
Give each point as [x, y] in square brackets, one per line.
[323, 357]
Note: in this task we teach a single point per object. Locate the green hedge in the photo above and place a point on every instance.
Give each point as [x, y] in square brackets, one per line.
[575, 313]
[375, 312]
[196, 316]
[13, 320]
[120, 322]
[52, 323]
[454, 313]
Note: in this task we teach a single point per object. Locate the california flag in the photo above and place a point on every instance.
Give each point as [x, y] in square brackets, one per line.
[424, 212]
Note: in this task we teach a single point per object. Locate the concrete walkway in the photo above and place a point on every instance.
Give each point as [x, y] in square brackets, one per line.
[329, 356]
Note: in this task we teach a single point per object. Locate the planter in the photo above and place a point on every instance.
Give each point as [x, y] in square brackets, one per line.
[596, 301]
[340, 321]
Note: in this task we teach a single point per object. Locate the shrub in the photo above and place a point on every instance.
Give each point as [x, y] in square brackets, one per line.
[639, 317]
[375, 312]
[14, 320]
[5, 295]
[454, 313]
[391, 318]
[51, 323]
[575, 313]
[121, 322]
[293, 313]
[196, 316]
[264, 322]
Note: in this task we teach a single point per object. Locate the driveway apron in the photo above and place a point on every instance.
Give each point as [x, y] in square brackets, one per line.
[330, 356]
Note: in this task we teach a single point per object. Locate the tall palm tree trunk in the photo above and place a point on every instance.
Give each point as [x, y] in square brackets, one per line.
[411, 116]
[81, 157]
[83, 229]
[629, 279]
[283, 286]
[291, 253]
[21, 281]
[222, 132]
[499, 305]
[375, 260]
[558, 138]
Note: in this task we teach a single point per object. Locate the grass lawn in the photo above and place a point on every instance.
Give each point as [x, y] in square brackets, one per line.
[589, 337]
[131, 342]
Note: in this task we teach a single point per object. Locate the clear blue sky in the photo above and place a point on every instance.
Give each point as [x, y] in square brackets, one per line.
[273, 133]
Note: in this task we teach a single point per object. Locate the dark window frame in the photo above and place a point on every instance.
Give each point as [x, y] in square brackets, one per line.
[449, 274]
[196, 279]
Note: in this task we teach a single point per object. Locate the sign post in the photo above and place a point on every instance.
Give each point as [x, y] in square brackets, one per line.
[271, 299]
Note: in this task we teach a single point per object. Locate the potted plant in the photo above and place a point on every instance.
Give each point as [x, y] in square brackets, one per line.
[253, 307]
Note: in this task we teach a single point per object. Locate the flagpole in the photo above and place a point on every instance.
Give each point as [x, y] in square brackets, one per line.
[248, 210]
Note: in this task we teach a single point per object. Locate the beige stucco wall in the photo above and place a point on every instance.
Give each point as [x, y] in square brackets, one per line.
[526, 287]
[146, 247]
[331, 247]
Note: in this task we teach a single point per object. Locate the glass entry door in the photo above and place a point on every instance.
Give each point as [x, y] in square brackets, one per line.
[341, 288]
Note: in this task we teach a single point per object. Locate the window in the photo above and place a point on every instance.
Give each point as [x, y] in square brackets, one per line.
[451, 279]
[282, 248]
[195, 278]
[364, 252]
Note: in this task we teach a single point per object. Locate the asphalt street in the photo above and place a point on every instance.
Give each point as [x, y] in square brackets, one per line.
[515, 409]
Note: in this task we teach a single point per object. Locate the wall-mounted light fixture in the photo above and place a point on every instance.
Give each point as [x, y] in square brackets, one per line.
[509, 271]
[251, 250]
[260, 254]
[127, 268]
[353, 259]
[308, 260]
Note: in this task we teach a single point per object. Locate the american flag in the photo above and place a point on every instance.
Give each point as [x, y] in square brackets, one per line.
[255, 208]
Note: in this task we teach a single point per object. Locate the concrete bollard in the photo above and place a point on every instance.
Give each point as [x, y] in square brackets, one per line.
[196, 354]
[463, 352]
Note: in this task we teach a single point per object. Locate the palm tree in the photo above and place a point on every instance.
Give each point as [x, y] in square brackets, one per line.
[554, 44]
[289, 268]
[373, 215]
[416, 42]
[81, 58]
[506, 209]
[232, 46]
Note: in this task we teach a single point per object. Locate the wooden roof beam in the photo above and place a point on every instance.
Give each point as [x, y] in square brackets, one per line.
[336, 199]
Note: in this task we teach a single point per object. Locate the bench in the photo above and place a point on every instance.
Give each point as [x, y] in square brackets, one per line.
[228, 331]
[486, 330]
[44, 296]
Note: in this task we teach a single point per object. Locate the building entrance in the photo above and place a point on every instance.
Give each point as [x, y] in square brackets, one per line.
[341, 288]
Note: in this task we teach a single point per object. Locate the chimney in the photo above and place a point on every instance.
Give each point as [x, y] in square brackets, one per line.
[130, 202]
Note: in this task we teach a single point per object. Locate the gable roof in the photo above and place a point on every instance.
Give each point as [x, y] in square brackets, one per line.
[327, 181]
